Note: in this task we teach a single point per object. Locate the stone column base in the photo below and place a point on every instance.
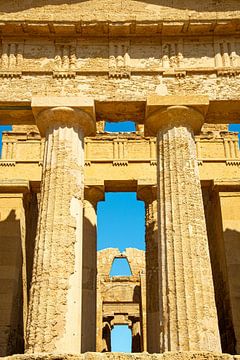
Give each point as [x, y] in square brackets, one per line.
[126, 356]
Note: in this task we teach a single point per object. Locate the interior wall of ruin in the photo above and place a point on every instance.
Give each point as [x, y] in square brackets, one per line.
[13, 288]
[230, 209]
[217, 249]
[121, 300]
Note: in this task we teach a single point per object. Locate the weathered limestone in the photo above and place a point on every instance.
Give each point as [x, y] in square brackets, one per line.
[13, 280]
[230, 202]
[121, 300]
[213, 163]
[180, 355]
[92, 195]
[188, 316]
[120, 53]
[54, 317]
[219, 262]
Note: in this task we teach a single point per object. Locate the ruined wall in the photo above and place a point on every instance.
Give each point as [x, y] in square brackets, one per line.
[230, 204]
[119, 51]
[217, 249]
[13, 274]
[120, 298]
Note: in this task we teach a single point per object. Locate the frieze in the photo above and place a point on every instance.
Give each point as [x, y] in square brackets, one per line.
[126, 57]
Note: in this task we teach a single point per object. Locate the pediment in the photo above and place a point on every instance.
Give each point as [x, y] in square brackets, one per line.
[116, 10]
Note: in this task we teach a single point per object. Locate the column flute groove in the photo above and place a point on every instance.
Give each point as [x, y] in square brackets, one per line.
[181, 248]
[192, 301]
[169, 227]
[52, 175]
[37, 267]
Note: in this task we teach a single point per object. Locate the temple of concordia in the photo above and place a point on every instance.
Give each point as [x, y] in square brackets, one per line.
[172, 67]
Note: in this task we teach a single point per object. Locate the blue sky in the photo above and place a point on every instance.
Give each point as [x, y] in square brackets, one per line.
[120, 221]
[121, 224]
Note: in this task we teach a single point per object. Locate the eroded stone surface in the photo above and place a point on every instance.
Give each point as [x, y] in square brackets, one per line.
[121, 300]
[119, 53]
[122, 356]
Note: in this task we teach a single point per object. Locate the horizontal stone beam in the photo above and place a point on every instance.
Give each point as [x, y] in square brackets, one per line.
[219, 111]
[146, 25]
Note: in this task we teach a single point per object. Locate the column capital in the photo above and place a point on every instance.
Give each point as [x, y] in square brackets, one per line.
[71, 111]
[164, 112]
[94, 193]
[147, 193]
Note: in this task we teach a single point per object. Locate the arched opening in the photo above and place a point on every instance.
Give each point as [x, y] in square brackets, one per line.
[123, 126]
[121, 339]
[120, 267]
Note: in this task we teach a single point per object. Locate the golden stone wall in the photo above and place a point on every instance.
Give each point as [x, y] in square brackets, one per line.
[170, 66]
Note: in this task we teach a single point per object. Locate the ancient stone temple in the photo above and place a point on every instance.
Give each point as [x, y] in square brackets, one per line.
[173, 68]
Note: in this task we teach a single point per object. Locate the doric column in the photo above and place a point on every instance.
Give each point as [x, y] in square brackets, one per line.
[149, 195]
[92, 195]
[188, 317]
[54, 318]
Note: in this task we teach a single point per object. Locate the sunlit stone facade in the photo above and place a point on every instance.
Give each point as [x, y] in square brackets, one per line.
[173, 68]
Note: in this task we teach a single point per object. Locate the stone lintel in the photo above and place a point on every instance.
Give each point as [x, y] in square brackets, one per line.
[16, 113]
[222, 111]
[229, 185]
[14, 186]
[120, 185]
[164, 110]
[57, 108]
[119, 110]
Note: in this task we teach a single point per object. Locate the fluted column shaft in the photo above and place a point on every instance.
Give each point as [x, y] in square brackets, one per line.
[54, 320]
[188, 317]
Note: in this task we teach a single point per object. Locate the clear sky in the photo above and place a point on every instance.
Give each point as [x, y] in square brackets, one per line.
[121, 224]
[121, 220]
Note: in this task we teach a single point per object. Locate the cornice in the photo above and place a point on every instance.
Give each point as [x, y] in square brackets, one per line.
[125, 28]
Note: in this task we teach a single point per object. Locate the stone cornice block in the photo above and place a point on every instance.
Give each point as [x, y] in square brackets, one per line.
[161, 110]
[40, 103]
[156, 102]
[118, 26]
[62, 107]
